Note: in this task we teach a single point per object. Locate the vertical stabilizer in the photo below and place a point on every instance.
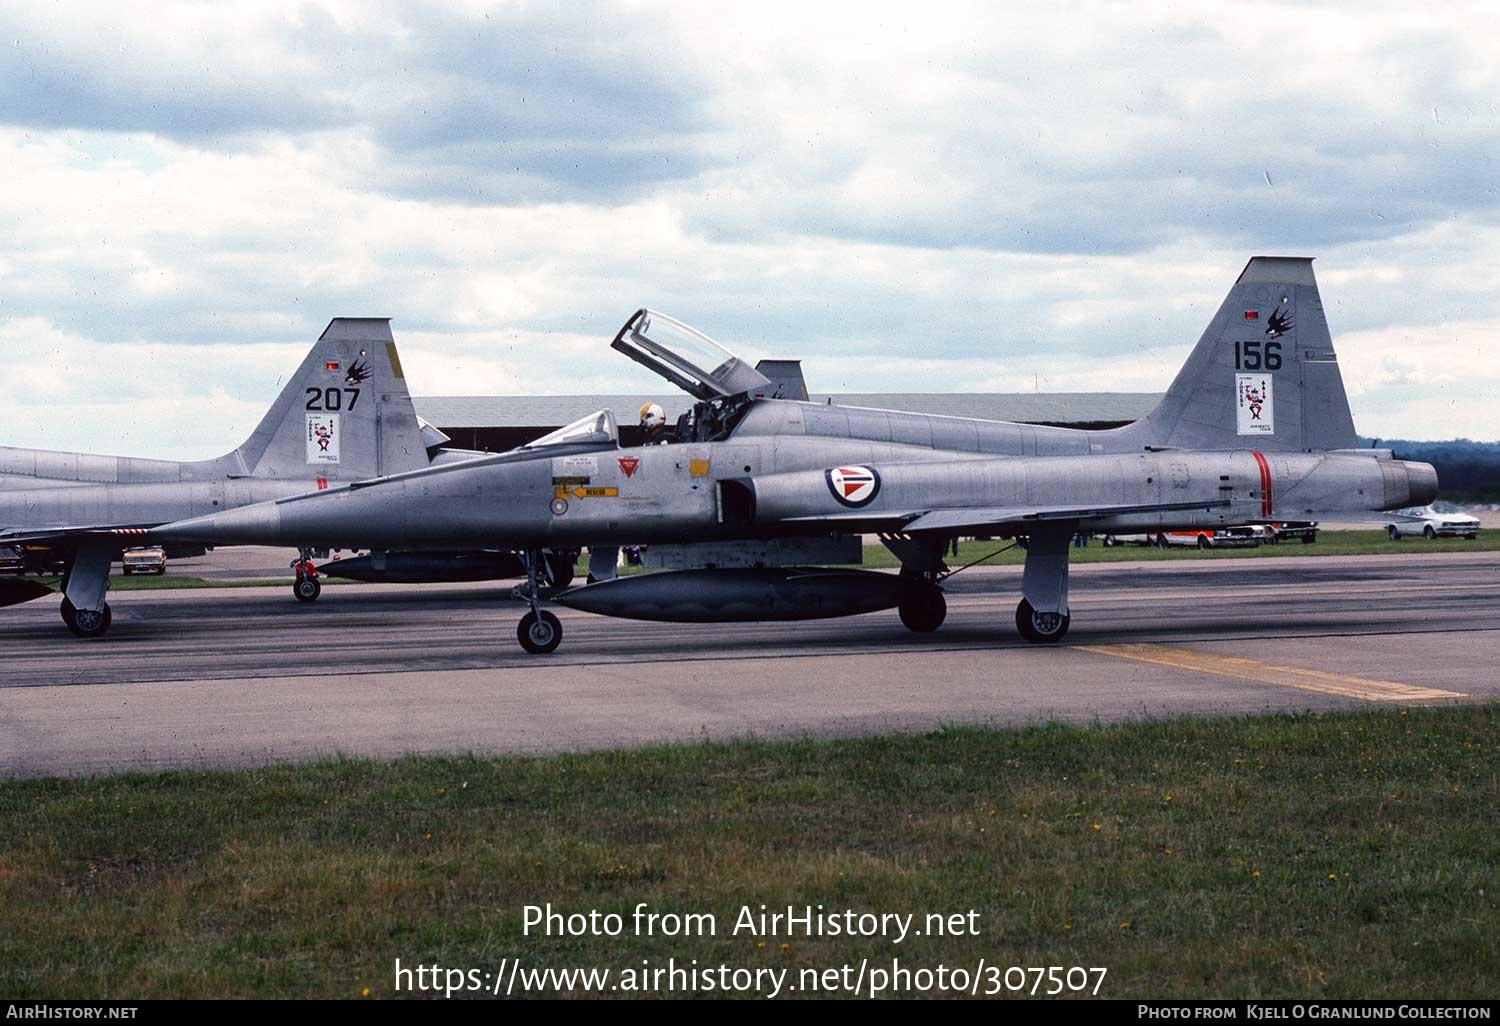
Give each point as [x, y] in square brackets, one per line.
[1263, 376]
[344, 415]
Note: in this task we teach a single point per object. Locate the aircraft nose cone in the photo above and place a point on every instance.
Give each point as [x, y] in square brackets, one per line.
[1421, 481]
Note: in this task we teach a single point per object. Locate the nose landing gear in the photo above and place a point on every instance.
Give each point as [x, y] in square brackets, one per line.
[307, 587]
[539, 632]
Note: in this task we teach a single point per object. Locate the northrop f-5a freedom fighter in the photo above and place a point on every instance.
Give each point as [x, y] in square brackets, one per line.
[753, 495]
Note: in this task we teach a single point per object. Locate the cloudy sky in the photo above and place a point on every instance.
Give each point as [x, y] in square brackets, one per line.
[918, 197]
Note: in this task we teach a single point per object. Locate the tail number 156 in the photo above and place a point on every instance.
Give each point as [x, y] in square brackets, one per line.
[1257, 355]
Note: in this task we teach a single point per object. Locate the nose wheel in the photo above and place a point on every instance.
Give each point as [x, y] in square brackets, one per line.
[539, 632]
[1039, 627]
[307, 587]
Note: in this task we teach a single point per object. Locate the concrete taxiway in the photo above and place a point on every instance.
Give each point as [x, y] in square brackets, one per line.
[246, 676]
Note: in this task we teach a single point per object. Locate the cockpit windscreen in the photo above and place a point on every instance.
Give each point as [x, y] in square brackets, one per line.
[597, 429]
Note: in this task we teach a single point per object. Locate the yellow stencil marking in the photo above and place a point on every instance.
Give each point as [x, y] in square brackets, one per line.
[595, 493]
[1340, 684]
[698, 468]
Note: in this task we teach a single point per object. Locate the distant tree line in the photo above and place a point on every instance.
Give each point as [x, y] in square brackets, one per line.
[1468, 471]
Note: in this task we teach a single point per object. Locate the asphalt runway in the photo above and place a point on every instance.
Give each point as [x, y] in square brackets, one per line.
[247, 676]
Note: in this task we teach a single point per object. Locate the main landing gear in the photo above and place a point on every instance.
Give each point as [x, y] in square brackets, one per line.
[1042, 615]
[1039, 627]
[923, 608]
[539, 632]
[84, 585]
[307, 587]
[86, 623]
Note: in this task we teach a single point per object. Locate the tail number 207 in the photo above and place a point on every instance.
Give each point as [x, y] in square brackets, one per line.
[332, 398]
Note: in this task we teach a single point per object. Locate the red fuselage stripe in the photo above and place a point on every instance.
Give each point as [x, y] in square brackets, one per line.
[1265, 483]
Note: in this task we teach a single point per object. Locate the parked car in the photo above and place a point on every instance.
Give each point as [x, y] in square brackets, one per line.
[1222, 538]
[149, 559]
[1133, 539]
[1440, 520]
[1307, 532]
[11, 561]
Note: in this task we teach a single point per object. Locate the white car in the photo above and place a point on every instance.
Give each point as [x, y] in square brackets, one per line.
[148, 559]
[1440, 520]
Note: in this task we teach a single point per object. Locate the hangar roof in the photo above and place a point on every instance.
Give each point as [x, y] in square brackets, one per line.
[1026, 407]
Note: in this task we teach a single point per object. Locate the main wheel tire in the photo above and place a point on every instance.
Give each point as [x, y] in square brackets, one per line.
[560, 569]
[1391, 533]
[1041, 628]
[923, 609]
[87, 623]
[307, 589]
[1203, 542]
[1429, 533]
[539, 634]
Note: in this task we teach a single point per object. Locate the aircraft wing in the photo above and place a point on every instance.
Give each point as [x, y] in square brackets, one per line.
[994, 516]
[34, 536]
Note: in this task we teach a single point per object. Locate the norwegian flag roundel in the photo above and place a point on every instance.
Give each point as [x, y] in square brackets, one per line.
[854, 486]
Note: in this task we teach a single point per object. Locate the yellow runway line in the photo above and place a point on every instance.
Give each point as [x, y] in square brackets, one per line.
[1340, 684]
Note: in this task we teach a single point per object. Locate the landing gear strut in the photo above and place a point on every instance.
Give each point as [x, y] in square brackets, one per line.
[307, 587]
[539, 632]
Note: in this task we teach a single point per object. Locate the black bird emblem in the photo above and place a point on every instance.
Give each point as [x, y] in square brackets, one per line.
[357, 373]
[1279, 323]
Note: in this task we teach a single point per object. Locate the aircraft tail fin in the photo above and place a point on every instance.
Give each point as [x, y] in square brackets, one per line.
[1263, 376]
[344, 415]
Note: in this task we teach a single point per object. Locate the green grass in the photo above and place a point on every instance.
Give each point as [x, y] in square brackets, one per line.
[1349, 855]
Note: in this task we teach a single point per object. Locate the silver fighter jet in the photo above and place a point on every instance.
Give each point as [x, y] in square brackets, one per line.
[751, 495]
[344, 416]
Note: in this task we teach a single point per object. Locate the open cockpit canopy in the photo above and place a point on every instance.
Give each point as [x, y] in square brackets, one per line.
[686, 357]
